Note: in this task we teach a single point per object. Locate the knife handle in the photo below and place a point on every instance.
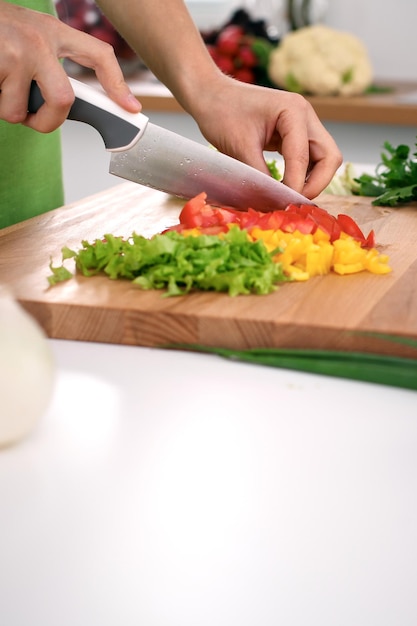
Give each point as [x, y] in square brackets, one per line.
[118, 128]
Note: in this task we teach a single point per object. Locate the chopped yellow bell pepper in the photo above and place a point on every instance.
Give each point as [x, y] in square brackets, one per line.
[304, 256]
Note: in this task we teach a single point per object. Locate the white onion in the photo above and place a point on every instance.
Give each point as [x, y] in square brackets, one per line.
[26, 371]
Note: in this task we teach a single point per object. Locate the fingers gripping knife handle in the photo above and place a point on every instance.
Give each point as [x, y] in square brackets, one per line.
[149, 155]
[118, 128]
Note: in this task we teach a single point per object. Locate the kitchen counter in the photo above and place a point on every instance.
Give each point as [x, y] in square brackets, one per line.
[168, 488]
[397, 106]
[174, 489]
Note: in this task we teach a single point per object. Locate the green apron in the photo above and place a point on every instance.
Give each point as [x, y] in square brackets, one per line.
[30, 162]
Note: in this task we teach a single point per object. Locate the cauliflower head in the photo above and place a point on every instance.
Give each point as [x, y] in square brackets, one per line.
[322, 61]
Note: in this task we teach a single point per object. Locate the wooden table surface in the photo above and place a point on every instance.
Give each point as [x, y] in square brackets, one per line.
[325, 312]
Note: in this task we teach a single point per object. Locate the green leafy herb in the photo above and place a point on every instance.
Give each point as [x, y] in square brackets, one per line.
[178, 264]
[379, 89]
[395, 179]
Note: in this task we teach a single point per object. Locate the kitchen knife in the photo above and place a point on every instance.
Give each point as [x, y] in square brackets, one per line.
[156, 157]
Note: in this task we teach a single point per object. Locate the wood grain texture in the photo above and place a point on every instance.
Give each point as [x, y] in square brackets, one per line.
[325, 312]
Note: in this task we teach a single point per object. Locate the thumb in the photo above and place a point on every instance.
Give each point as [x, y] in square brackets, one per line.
[123, 96]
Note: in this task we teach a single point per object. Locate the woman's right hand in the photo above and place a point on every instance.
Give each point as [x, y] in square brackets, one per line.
[32, 45]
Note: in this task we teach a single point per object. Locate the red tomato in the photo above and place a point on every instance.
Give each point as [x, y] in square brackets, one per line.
[370, 240]
[272, 221]
[321, 218]
[190, 214]
[247, 57]
[305, 218]
[214, 53]
[213, 230]
[244, 74]
[328, 224]
[317, 211]
[229, 40]
[227, 216]
[225, 64]
[301, 209]
[304, 225]
[351, 228]
[197, 214]
[179, 228]
[248, 219]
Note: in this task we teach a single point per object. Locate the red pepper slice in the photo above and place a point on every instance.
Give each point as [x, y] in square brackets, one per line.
[351, 228]
[306, 218]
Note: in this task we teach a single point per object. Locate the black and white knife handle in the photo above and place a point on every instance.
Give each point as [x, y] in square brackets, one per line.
[118, 128]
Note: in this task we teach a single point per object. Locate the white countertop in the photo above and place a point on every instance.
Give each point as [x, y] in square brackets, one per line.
[176, 489]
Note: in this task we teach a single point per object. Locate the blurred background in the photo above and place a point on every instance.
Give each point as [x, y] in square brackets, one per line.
[386, 28]
[386, 31]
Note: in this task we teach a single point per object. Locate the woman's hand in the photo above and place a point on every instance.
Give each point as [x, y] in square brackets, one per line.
[239, 119]
[32, 45]
[244, 120]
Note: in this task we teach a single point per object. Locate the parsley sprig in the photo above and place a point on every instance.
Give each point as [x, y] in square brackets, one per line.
[395, 179]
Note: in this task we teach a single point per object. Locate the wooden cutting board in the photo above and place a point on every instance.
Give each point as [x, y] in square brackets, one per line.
[325, 312]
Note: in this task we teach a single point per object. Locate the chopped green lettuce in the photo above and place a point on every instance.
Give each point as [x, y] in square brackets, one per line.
[273, 169]
[179, 264]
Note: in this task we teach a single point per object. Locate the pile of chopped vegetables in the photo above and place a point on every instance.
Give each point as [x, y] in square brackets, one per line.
[241, 252]
[226, 250]
[306, 240]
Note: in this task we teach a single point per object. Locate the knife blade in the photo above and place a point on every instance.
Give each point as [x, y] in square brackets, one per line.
[155, 157]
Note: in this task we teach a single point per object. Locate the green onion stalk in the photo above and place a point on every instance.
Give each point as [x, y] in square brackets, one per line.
[393, 371]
